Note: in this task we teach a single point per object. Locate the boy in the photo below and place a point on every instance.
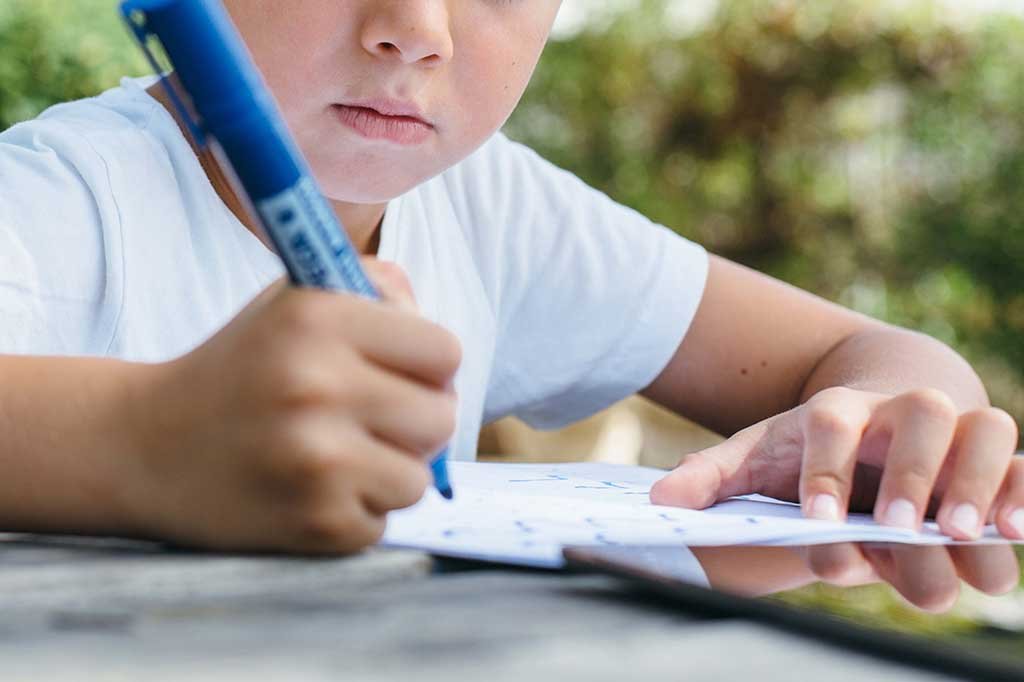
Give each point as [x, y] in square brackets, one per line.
[137, 400]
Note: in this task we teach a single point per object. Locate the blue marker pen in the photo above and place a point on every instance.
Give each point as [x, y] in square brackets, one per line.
[240, 123]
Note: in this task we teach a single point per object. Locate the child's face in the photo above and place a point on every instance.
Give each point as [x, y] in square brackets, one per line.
[463, 63]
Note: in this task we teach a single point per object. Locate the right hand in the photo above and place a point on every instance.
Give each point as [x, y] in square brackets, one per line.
[299, 425]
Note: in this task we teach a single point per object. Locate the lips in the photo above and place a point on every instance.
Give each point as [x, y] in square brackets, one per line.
[398, 122]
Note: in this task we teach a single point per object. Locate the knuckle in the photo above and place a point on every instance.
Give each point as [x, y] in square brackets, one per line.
[825, 481]
[309, 452]
[933, 404]
[916, 477]
[409, 487]
[303, 466]
[300, 386]
[1013, 484]
[450, 351]
[832, 393]
[971, 486]
[395, 274]
[303, 314]
[392, 281]
[314, 463]
[330, 528]
[281, 440]
[992, 420]
[305, 382]
[823, 420]
[1015, 476]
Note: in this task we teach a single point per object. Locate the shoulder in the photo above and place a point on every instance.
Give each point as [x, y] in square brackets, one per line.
[66, 154]
[60, 225]
[92, 124]
[76, 156]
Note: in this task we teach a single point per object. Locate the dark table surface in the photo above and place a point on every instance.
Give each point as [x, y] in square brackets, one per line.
[89, 608]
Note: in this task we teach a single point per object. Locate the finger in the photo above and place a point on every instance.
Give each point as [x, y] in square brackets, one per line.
[982, 449]
[832, 422]
[1009, 516]
[388, 336]
[710, 475]
[840, 564]
[922, 424]
[392, 283]
[335, 461]
[389, 478]
[993, 569]
[410, 416]
[351, 531]
[384, 334]
[924, 575]
[424, 351]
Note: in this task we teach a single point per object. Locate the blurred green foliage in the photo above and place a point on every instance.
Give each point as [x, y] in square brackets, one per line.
[56, 50]
[868, 151]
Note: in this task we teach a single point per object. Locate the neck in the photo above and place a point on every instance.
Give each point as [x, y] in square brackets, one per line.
[362, 224]
[362, 221]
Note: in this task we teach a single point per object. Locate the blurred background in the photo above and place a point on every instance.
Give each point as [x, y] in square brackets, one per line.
[868, 151]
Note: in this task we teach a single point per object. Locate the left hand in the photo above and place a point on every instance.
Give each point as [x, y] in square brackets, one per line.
[899, 456]
[927, 576]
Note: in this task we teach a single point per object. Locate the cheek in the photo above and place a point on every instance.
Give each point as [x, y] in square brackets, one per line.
[490, 86]
[282, 40]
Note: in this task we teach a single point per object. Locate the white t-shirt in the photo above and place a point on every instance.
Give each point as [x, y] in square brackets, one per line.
[114, 243]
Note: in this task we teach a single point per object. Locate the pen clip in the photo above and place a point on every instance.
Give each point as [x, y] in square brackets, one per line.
[136, 20]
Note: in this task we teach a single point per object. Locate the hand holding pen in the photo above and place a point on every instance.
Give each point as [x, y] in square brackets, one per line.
[297, 427]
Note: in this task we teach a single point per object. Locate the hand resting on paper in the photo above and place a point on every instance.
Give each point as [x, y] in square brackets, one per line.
[899, 457]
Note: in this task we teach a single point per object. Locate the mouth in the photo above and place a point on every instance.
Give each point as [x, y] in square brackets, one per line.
[388, 120]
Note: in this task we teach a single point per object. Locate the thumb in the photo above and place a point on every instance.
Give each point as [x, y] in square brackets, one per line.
[391, 282]
[712, 474]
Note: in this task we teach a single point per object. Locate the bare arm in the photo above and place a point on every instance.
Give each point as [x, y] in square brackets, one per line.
[758, 347]
[891, 360]
[66, 443]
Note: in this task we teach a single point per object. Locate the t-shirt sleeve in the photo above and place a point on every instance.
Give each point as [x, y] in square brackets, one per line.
[56, 293]
[591, 298]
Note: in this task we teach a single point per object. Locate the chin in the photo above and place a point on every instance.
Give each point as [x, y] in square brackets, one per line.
[345, 192]
[366, 187]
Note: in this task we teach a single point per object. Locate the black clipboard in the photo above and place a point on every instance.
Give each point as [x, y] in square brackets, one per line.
[652, 570]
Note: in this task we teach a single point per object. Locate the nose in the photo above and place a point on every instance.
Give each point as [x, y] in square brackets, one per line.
[413, 31]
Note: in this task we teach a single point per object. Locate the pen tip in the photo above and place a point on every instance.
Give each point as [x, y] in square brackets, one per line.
[447, 493]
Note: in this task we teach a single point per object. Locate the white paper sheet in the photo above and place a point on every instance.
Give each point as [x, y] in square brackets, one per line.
[525, 514]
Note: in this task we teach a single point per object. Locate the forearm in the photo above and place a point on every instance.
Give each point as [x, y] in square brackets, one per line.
[891, 360]
[65, 444]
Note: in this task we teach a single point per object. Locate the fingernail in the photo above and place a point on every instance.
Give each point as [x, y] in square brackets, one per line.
[1017, 521]
[901, 514]
[965, 519]
[825, 508]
